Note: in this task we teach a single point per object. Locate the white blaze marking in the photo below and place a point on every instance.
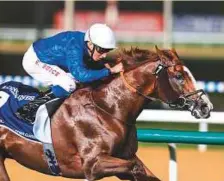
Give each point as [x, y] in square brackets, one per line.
[191, 76]
[204, 97]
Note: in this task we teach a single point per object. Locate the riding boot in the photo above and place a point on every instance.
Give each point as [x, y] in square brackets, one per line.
[28, 111]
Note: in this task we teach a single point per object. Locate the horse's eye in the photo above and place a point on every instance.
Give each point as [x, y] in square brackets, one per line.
[180, 77]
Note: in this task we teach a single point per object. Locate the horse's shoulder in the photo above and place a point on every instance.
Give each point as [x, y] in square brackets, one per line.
[80, 96]
[82, 92]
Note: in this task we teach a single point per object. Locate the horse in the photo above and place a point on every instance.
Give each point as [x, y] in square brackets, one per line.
[94, 129]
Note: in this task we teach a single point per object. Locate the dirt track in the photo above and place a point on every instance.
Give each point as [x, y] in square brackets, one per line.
[192, 166]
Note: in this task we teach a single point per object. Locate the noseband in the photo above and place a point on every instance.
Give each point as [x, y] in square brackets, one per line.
[180, 102]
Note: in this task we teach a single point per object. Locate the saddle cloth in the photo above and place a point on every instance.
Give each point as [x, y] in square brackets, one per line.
[42, 127]
[14, 95]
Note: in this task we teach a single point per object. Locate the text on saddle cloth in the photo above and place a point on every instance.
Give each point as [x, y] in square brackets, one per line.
[14, 95]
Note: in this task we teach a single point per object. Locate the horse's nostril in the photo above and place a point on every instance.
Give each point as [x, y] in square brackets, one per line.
[204, 109]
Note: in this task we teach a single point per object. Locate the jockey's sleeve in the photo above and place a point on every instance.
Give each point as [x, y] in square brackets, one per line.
[76, 66]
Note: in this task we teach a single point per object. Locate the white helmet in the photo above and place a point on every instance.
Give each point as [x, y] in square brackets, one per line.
[101, 35]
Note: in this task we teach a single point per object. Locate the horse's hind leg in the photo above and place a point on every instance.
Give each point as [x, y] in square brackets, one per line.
[3, 173]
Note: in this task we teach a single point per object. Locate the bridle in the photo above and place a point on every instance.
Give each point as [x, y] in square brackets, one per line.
[182, 101]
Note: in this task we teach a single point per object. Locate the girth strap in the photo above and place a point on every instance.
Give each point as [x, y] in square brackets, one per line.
[51, 159]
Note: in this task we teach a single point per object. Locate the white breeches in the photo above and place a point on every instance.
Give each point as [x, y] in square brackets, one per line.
[46, 73]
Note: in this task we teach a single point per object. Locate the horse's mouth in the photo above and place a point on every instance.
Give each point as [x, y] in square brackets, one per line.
[202, 112]
[201, 109]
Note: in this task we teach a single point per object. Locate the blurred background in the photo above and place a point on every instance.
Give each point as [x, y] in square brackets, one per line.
[192, 27]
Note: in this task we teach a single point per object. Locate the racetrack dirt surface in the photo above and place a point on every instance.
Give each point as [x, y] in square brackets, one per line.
[192, 166]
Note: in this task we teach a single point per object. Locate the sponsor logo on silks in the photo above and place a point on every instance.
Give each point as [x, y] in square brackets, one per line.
[52, 162]
[50, 70]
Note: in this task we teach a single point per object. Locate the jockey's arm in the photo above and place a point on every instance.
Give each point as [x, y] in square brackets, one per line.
[115, 69]
[78, 69]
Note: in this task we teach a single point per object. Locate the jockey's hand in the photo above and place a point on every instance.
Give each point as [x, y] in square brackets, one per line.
[117, 68]
[107, 65]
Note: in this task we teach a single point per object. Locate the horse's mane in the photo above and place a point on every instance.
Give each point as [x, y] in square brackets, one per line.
[130, 58]
[134, 56]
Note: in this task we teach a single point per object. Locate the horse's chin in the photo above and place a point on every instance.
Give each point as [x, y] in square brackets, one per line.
[202, 110]
[201, 114]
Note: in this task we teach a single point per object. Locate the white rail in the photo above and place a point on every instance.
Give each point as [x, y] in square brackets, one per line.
[179, 117]
[182, 117]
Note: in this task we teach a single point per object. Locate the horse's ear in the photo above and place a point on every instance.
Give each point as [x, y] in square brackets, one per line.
[161, 55]
[158, 51]
[174, 53]
[119, 58]
[173, 50]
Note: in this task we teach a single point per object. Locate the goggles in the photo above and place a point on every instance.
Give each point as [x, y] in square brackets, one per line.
[101, 50]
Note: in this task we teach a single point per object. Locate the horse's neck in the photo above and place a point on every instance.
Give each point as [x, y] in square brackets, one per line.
[118, 100]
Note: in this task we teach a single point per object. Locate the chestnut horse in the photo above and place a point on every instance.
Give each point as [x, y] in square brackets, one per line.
[94, 132]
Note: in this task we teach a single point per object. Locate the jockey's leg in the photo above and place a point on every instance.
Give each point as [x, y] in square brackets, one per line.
[104, 165]
[48, 75]
[3, 173]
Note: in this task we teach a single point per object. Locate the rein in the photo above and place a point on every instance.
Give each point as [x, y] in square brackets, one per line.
[132, 89]
[181, 101]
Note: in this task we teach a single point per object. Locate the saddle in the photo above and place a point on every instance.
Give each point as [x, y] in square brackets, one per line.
[14, 95]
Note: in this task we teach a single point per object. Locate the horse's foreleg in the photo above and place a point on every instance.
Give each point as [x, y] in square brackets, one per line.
[3, 173]
[104, 165]
[125, 177]
[142, 173]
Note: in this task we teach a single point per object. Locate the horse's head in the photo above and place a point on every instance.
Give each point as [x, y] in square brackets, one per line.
[177, 86]
[163, 76]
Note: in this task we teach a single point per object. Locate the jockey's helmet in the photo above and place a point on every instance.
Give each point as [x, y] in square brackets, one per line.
[101, 35]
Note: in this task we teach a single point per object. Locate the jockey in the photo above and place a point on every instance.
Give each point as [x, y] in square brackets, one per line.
[60, 61]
